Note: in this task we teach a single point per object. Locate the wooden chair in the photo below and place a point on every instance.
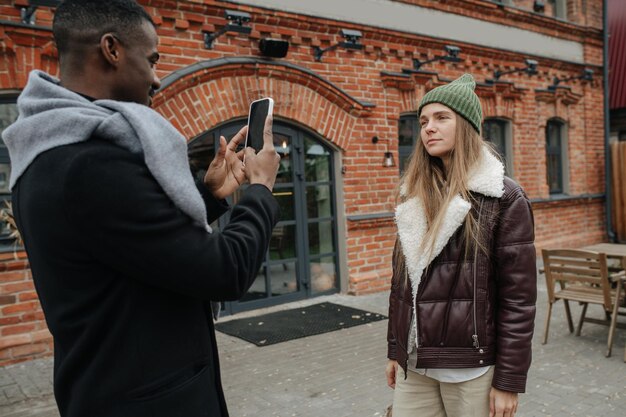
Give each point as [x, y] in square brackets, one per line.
[582, 276]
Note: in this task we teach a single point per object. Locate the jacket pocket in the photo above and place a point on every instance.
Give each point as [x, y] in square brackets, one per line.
[190, 392]
[169, 384]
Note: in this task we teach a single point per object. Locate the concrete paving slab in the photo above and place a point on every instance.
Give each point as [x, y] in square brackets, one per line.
[342, 373]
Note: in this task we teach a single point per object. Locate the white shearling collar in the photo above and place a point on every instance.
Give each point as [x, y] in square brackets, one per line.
[486, 178]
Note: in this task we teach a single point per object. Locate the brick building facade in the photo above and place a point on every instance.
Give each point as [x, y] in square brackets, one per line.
[338, 115]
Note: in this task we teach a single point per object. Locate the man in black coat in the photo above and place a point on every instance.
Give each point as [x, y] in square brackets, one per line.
[116, 231]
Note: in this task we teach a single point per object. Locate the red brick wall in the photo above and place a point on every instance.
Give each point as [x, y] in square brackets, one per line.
[330, 103]
[23, 331]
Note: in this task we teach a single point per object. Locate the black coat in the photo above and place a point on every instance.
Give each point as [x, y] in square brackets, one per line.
[124, 279]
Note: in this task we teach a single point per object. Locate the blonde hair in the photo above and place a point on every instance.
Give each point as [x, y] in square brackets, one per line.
[427, 179]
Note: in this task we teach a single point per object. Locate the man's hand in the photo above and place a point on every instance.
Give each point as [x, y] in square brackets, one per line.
[226, 174]
[262, 167]
[502, 403]
[391, 371]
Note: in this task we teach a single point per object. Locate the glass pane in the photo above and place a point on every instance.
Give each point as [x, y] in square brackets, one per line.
[321, 237]
[494, 131]
[407, 130]
[5, 173]
[283, 278]
[554, 173]
[282, 143]
[283, 242]
[404, 156]
[285, 197]
[318, 201]
[257, 290]
[8, 114]
[317, 161]
[201, 152]
[553, 136]
[323, 277]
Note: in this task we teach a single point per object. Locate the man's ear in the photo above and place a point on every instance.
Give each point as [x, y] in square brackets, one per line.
[110, 48]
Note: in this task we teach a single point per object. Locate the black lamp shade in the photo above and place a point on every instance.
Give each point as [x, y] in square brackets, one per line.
[275, 48]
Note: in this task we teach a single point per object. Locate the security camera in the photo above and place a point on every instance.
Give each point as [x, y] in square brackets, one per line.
[587, 74]
[237, 16]
[531, 65]
[453, 51]
[351, 36]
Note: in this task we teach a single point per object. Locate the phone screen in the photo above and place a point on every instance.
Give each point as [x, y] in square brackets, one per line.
[259, 110]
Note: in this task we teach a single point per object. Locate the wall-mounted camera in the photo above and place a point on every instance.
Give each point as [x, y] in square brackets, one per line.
[351, 36]
[236, 20]
[531, 66]
[452, 51]
[237, 17]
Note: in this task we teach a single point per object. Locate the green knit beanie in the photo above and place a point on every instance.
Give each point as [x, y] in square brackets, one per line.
[459, 96]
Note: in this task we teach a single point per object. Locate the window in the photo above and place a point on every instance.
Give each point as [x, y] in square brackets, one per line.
[556, 156]
[498, 132]
[559, 8]
[8, 114]
[408, 131]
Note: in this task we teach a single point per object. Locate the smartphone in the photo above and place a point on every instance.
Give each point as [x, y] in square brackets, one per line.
[259, 110]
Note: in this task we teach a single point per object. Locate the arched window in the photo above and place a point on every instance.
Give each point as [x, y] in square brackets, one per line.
[556, 156]
[498, 132]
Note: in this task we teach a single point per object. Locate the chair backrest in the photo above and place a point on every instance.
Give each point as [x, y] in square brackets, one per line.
[577, 267]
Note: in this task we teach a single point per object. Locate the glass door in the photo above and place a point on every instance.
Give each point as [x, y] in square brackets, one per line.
[302, 258]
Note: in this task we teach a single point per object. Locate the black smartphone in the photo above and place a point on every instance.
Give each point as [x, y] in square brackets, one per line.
[259, 110]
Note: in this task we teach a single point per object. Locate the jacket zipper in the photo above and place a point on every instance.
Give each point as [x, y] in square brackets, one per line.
[475, 335]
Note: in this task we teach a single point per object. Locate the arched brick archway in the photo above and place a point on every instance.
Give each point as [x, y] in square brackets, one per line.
[199, 97]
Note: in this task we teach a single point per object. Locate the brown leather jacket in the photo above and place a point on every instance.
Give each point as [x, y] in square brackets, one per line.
[476, 311]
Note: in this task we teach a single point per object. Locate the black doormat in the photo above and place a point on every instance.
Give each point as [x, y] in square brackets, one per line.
[282, 326]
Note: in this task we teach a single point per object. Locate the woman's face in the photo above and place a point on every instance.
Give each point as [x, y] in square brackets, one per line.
[438, 130]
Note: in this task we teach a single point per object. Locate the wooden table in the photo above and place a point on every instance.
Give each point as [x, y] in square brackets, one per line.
[615, 251]
[612, 250]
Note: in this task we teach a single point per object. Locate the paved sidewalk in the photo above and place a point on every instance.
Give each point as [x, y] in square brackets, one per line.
[341, 374]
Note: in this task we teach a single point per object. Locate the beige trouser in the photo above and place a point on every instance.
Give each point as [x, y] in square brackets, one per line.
[421, 396]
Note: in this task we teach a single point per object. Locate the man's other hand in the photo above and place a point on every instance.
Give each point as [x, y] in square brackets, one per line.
[226, 173]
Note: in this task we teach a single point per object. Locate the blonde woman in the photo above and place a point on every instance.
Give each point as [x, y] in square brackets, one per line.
[462, 302]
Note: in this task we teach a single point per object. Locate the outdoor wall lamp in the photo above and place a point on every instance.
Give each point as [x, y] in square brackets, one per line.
[586, 75]
[530, 69]
[388, 160]
[236, 20]
[28, 13]
[273, 48]
[539, 6]
[351, 37]
[452, 55]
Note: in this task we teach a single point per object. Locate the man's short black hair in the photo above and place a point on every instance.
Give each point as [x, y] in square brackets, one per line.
[87, 20]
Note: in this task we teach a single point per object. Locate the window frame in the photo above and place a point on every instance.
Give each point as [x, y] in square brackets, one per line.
[562, 151]
[507, 141]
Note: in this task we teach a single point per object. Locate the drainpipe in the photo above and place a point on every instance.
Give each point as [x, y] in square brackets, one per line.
[607, 125]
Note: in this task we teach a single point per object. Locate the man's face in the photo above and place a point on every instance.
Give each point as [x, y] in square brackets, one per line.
[136, 79]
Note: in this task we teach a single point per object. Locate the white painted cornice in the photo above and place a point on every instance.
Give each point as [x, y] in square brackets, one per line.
[418, 20]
